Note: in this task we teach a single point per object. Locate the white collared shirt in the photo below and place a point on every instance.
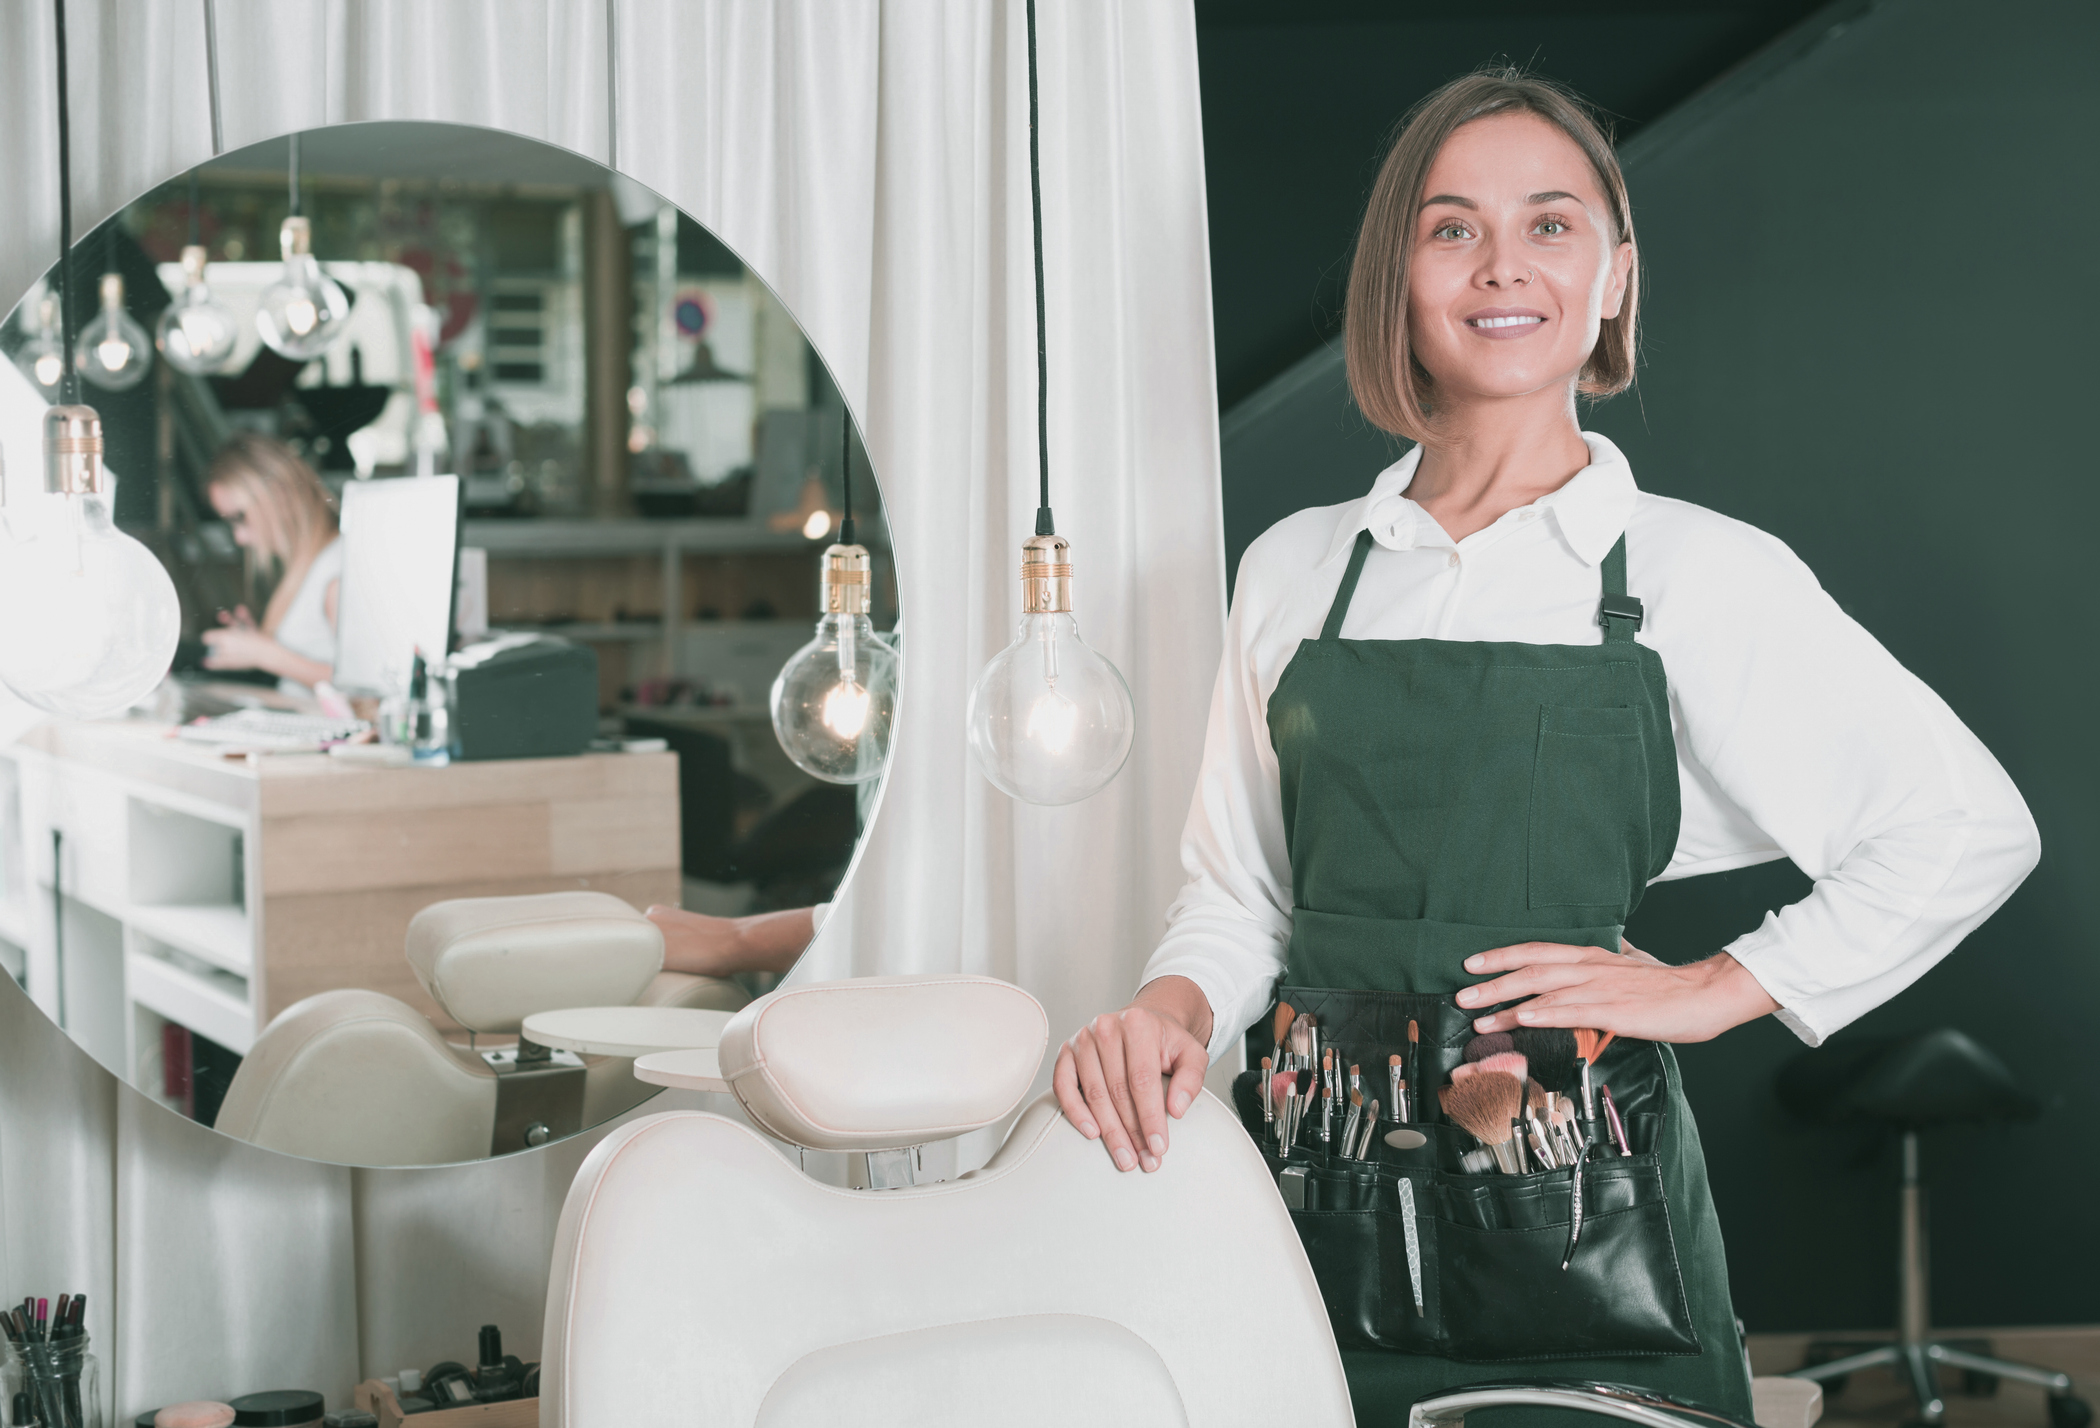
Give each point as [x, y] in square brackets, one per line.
[1798, 735]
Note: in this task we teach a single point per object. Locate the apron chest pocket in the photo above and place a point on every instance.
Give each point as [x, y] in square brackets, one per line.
[1588, 834]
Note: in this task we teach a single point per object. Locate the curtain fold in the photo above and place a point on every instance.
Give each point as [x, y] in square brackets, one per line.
[869, 159]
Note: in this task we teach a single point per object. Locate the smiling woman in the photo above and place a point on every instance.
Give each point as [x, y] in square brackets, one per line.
[1444, 762]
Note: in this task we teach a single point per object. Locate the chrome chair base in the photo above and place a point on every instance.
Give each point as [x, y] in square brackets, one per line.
[1613, 1400]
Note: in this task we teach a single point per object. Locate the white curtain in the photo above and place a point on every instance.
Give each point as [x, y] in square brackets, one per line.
[869, 159]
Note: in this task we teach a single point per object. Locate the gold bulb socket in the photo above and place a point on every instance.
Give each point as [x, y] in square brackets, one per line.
[73, 451]
[845, 580]
[112, 291]
[296, 238]
[193, 260]
[1046, 575]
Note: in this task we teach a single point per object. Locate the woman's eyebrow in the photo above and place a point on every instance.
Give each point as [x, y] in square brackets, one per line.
[1552, 197]
[1451, 198]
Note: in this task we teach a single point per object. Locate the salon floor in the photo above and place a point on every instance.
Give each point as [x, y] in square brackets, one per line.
[1875, 1397]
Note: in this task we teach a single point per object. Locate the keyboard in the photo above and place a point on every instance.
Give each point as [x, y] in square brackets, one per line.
[271, 731]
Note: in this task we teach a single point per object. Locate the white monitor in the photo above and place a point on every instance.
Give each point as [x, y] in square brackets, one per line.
[400, 548]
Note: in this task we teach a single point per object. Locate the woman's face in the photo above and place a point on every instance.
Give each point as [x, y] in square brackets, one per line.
[1515, 267]
[237, 508]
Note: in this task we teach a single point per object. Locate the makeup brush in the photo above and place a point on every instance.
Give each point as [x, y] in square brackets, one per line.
[1311, 1025]
[1489, 1044]
[1268, 1109]
[1462, 1070]
[1327, 1097]
[1363, 1152]
[1590, 1044]
[1484, 1105]
[1285, 1013]
[1508, 1063]
[1356, 1077]
[1350, 1123]
[1618, 1126]
[1551, 1053]
[1414, 1057]
[1394, 1082]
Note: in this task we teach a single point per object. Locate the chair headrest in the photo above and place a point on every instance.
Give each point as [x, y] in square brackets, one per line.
[490, 962]
[879, 1063]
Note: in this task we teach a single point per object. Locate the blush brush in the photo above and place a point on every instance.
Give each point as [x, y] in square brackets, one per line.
[1484, 1105]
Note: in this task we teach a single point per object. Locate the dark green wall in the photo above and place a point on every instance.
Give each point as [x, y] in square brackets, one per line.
[1870, 313]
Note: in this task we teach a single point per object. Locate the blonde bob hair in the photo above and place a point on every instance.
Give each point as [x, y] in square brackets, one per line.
[1391, 386]
[294, 510]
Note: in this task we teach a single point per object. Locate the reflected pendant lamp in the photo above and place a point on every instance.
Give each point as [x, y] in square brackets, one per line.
[305, 310]
[196, 332]
[1050, 719]
[835, 701]
[88, 618]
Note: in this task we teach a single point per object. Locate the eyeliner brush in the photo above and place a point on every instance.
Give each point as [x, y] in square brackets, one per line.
[1414, 1061]
[1268, 1107]
[1393, 1082]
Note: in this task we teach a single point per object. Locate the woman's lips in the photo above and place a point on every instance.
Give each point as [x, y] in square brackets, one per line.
[1502, 324]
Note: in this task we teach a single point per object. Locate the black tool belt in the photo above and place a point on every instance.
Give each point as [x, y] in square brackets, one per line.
[1505, 1267]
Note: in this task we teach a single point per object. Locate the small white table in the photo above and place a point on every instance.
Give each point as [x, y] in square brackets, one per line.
[697, 1070]
[627, 1031]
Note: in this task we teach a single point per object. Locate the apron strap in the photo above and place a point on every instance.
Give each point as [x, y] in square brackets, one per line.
[1332, 630]
[1620, 614]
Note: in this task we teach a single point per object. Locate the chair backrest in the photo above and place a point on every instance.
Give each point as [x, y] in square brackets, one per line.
[360, 1078]
[490, 962]
[700, 1277]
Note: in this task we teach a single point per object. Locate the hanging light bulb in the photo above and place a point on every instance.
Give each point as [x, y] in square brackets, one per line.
[43, 356]
[196, 333]
[91, 618]
[304, 310]
[114, 351]
[834, 701]
[1050, 720]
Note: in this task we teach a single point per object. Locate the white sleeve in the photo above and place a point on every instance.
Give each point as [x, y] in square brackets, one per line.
[1228, 930]
[1843, 760]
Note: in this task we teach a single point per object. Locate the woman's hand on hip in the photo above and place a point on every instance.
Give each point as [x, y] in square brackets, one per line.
[1109, 1074]
[1629, 993]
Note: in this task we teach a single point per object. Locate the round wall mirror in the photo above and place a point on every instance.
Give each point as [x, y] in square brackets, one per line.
[496, 493]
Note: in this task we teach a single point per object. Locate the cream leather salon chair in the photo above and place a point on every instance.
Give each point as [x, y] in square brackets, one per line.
[363, 1078]
[700, 1277]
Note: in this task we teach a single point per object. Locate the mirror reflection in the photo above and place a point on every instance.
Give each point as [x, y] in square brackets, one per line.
[537, 644]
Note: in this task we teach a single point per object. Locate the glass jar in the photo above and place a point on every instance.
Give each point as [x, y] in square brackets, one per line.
[62, 1379]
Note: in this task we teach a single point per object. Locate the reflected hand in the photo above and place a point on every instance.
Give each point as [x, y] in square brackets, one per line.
[1629, 993]
[237, 618]
[1108, 1076]
[240, 647]
[719, 946]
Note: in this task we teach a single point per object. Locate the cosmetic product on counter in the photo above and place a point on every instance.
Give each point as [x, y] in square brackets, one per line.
[278, 1408]
[201, 1414]
[47, 1359]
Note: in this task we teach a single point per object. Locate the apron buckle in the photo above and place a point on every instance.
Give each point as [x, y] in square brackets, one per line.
[1621, 607]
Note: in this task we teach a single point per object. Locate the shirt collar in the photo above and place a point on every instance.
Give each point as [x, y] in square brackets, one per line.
[1591, 510]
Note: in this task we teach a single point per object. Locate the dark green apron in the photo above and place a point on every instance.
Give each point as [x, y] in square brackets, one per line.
[1442, 798]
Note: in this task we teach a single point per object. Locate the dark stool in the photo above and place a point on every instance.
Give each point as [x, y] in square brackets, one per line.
[1912, 1084]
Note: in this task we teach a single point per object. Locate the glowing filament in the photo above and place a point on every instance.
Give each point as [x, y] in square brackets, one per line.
[300, 315]
[49, 369]
[817, 526]
[846, 709]
[113, 353]
[1052, 720]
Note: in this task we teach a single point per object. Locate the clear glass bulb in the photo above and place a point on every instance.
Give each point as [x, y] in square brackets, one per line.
[305, 309]
[196, 333]
[114, 351]
[1050, 720]
[88, 618]
[834, 701]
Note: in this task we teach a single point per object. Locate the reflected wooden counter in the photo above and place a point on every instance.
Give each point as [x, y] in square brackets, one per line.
[145, 880]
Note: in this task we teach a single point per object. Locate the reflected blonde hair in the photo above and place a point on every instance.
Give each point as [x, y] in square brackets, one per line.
[1390, 385]
[293, 507]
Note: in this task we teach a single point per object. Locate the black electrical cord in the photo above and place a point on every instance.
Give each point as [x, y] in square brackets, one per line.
[846, 474]
[196, 197]
[69, 382]
[1044, 523]
[292, 176]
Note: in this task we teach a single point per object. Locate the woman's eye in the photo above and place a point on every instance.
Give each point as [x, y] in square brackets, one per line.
[1551, 227]
[1450, 230]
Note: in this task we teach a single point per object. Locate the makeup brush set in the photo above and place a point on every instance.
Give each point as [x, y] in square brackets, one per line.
[1477, 1197]
[51, 1351]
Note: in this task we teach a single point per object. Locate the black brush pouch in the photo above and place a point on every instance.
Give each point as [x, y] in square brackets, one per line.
[1490, 1248]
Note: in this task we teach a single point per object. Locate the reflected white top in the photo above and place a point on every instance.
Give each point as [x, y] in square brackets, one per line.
[1798, 735]
[305, 629]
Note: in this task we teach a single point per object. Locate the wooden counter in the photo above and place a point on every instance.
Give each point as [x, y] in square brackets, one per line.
[217, 891]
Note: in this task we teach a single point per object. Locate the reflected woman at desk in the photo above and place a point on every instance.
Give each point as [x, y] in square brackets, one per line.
[284, 520]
